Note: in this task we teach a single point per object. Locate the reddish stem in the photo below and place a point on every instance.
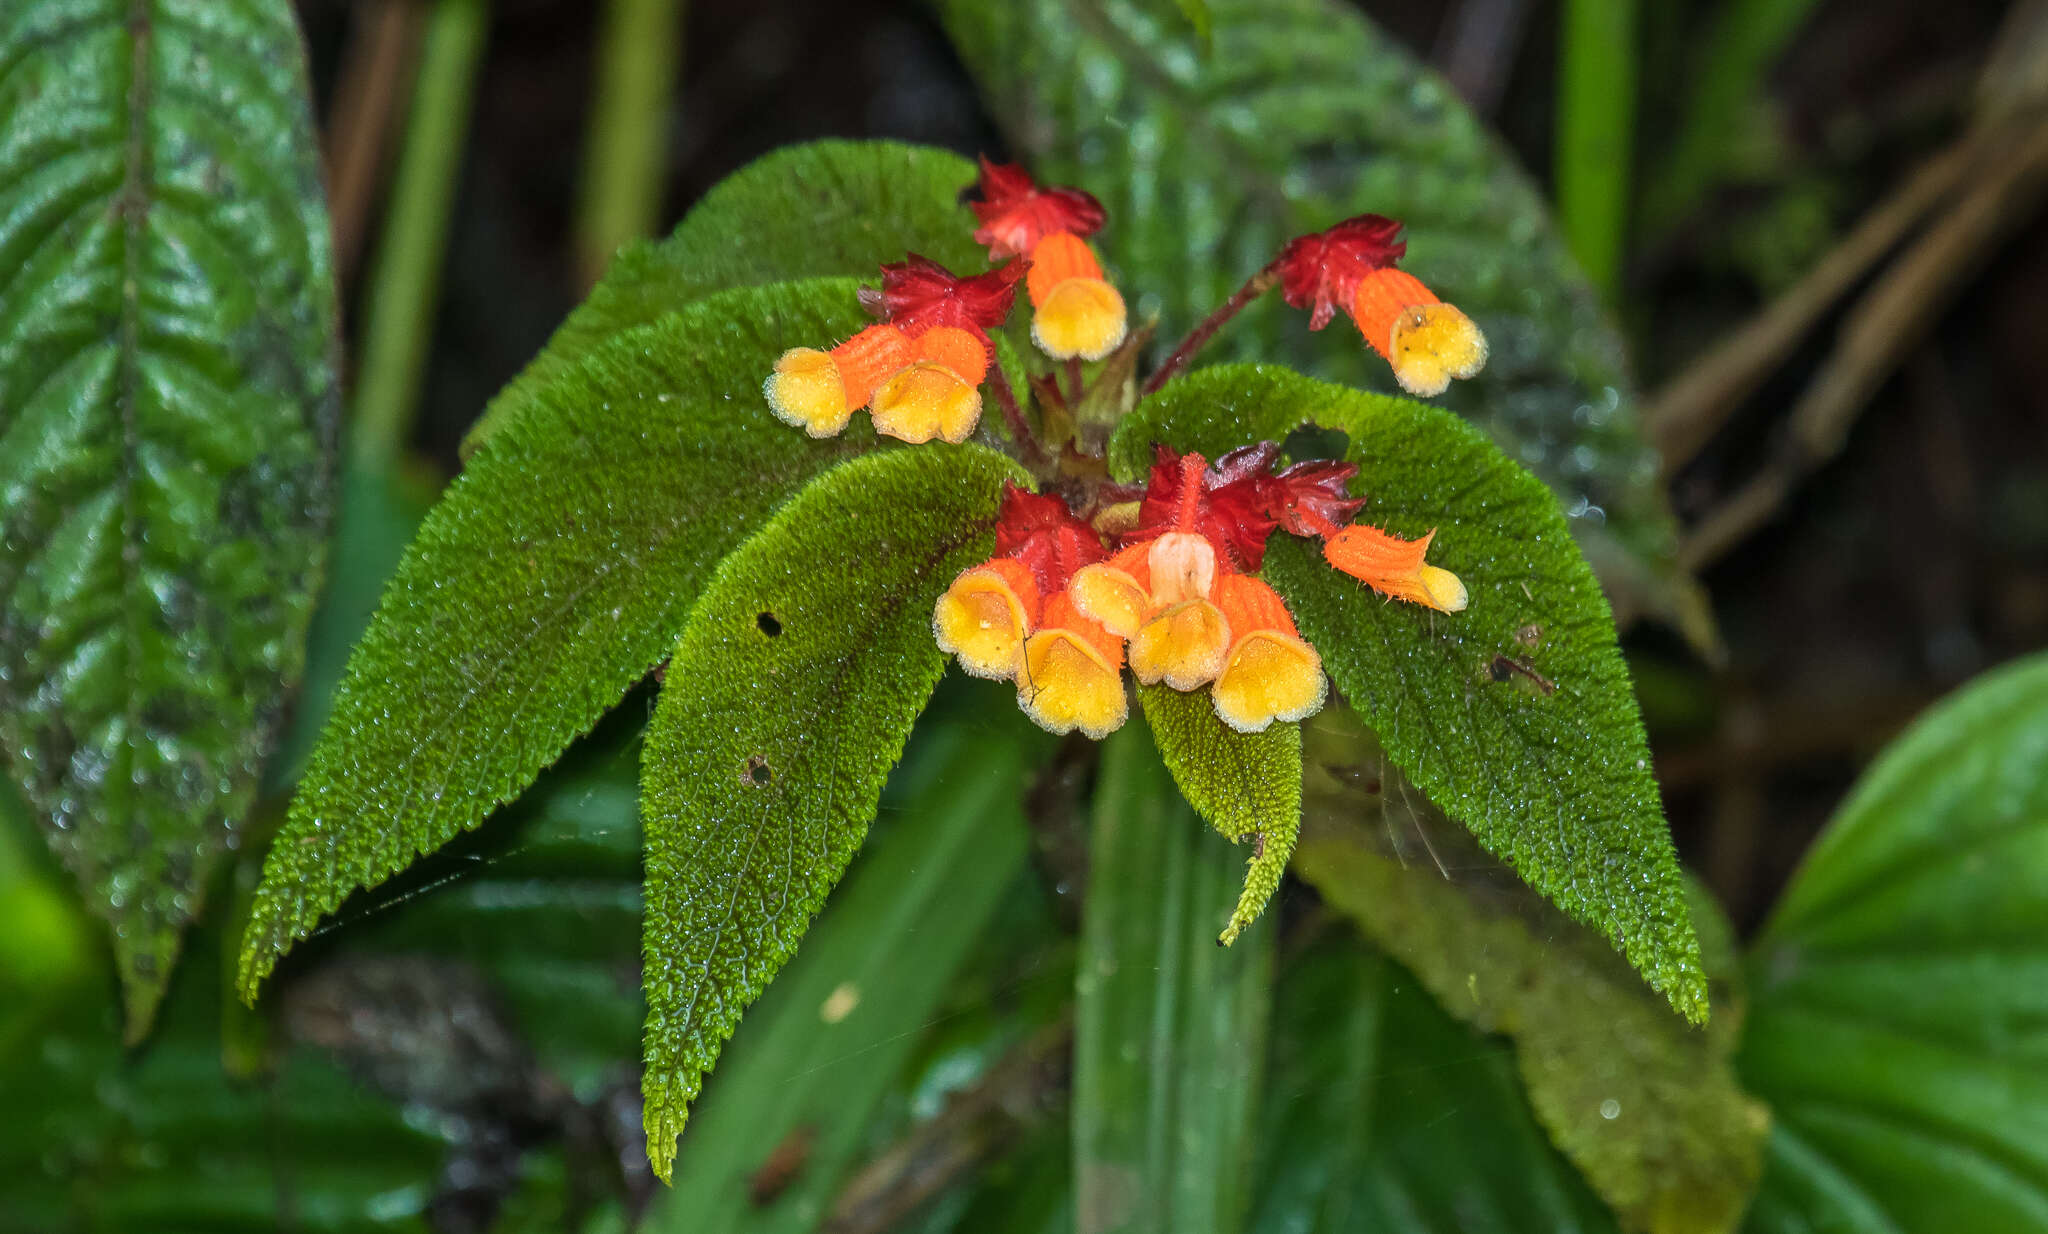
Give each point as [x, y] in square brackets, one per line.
[1035, 455]
[1074, 387]
[1254, 287]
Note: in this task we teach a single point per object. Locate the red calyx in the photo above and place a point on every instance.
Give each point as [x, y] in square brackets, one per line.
[918, 294]
[1043, 534]
[1016, 213]
[1239, 500]
[1322, 271]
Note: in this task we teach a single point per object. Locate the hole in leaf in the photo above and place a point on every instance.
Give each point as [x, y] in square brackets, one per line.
[769, 625]
[758, 771]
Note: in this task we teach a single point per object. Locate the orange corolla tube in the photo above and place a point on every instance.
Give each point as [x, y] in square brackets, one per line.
[1270, 672]
[1389, 564]
[1427, 342]
[1073, 674]
[986, 615]
[1076, 313]
[817, 391]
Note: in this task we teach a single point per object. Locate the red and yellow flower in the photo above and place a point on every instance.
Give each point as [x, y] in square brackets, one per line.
[919, 372]
[1351, 266]
[1076, 313]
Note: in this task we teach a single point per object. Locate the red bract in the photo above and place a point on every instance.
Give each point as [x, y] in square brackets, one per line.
[919, 293]
[1179, 497]
[1322, 271]
[1016, 214]
[1043, 534]
[1241, 500]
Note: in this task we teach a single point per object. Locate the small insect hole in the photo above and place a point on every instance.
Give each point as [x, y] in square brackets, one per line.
[769, 625]
[758, 771]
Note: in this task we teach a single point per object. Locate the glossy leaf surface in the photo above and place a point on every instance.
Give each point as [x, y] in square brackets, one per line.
[788, 698]
[1555, 781]
[1900, 993]
[554, 573]
[1298, 115]
[167, 409]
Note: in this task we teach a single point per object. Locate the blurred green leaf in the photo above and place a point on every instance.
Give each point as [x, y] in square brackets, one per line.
[167, 398]
[826, 1043]
[555, 572]
[1595, 144]
[1645, 1104]
[1305, 115]
[1555, 781]
[822, 208]
[1245, 785]
[1899, 995]
[1386, 1115]
[788, 699]
[1169, 1029]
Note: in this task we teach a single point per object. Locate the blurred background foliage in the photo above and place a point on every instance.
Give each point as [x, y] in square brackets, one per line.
[1817, 223]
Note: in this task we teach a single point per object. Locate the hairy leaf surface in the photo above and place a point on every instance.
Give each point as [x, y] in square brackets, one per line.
[847, 1014]
[1555, 781]
[1169, 1029]
[167, 411]
[822, 208]
[1302, 114]
[1645, 1104]
[1899, 996]
[554, 573]
[1245, 785]
[788, 699]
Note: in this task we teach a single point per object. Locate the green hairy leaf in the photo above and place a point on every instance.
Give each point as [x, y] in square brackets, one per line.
[554, 573]
[1245, 785]
[788, 699]
[167, 412]
[1897, 994]
[1169, 1029]
[846, 1015]
[1304, 114]
[823, 208]
[1386, 1115]
[1646, 1105]
[1548, 766]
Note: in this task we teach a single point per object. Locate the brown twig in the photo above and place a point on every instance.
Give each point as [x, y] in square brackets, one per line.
[1254, 287]
[1898, 311]
[367, 106]
[1021, 1092]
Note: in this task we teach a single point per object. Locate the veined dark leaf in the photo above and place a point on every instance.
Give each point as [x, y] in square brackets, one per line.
[1385, 1114]
[554, 573]
[1169, 1029]
[1646, 1105]
[1555, 781]
[1245, 785]
[167, 411]
[789, 697]
[826, 1044]
[1898, 1024]
[822, 208]
[1303, 114]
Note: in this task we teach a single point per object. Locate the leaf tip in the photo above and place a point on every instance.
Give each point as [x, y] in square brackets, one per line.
[145, 972]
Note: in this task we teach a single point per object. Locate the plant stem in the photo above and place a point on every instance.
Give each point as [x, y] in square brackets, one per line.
[1596, 107]
[1254, 287]
[1035, 455]
[404, 286]
[629, 122]
[1074, 384]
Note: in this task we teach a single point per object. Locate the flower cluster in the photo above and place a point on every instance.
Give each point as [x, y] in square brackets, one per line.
[1054, 610]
